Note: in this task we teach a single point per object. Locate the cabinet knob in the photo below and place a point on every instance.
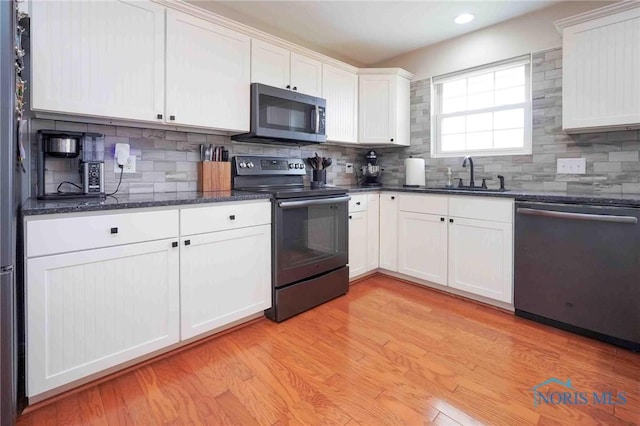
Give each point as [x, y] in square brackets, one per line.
[114, 230]
[187, 242]
[232, 217]
[288, 86]
[174, 244]
[442, 219]
[358, 203]
[295, 88]
[350, 217]
[159, 116]
[450, 220]
[393, 198]
[172, 117]
[391, 139]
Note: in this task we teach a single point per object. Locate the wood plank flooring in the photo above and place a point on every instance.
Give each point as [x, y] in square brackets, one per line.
[387, 353]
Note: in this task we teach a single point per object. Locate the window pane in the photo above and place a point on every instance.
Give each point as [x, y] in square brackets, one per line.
[480, 100]
[453, 142]
[509, 119]
[480, 83]
[513, 138]
[510, 77]
[454, 104]
[452, 125]
[513, 95]
[455, 88]
[479, 122]
[480, 140]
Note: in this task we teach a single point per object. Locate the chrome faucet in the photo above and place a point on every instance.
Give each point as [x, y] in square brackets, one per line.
[464, 164]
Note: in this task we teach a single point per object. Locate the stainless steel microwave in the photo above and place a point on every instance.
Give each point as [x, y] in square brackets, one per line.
[285, 116]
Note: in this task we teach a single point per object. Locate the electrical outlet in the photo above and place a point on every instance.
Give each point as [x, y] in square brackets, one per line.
[349, 168]
[129, 166]
[572, 166]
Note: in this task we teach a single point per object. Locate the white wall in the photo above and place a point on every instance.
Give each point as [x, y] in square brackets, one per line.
[532, 32]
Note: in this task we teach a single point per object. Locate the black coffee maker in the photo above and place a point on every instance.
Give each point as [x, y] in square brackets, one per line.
[370, 172]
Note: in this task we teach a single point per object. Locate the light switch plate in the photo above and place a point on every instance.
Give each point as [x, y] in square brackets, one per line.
[349, 168]
[572, 166]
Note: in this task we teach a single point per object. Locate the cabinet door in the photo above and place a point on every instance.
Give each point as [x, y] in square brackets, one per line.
[306, 75]
[340, 89]
[389, 232]
[269, 64]
[422, 246]
[98, 58]
[373, 231]
[224, 276]
[377, 109]
[601, 65]
[91, 310]
[357, 243]
[208, 74]
[481, 258]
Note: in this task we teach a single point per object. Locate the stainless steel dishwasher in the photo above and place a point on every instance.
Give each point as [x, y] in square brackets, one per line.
[577, 267]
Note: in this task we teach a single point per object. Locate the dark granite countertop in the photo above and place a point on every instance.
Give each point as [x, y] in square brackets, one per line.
[626, 200]
[130, 201]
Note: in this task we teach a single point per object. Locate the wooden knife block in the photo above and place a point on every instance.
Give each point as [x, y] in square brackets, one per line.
[214, 176]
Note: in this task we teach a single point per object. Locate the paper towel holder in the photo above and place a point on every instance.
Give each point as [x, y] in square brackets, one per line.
[411, 186]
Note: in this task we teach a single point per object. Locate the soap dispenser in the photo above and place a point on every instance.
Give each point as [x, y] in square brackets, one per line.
[449, 184]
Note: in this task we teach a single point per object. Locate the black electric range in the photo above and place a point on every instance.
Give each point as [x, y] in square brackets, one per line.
[309, 237]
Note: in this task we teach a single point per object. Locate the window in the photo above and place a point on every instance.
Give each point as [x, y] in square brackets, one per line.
[482, 111]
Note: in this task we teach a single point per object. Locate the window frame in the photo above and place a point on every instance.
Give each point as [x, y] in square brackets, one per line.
[437, 115]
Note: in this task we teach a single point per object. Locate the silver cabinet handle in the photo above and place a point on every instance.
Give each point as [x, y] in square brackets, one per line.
[578, 216]
[297, 204]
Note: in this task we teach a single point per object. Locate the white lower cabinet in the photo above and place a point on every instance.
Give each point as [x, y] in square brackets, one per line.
[389, 231]
[422, 243]
[357, 243]
[481, 257]
[91, 310]
[373, 231]
[225, 276]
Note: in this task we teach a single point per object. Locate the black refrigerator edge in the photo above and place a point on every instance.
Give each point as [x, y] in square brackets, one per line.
[9, 205]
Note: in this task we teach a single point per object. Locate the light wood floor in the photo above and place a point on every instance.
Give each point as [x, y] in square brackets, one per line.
[387, 353]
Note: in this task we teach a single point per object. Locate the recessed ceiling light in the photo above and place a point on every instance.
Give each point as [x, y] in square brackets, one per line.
[464, 18]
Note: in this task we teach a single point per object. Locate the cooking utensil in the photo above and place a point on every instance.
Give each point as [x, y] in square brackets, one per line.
[326, 162]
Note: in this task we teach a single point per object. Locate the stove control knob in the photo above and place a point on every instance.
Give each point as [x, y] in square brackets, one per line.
[302, 165]
[291, 165]
[250, 165]
[297, 166]
[243, 164]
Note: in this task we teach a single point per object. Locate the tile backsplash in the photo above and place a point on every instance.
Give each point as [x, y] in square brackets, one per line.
[612, 159]
[167, 161]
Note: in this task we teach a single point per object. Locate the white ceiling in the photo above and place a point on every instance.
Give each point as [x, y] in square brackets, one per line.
[367, 32]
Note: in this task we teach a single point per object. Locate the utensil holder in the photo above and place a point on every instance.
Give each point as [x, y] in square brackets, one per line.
[319, 176]
[214, 176]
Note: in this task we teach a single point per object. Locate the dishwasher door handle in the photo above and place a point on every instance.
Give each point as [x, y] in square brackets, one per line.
[578, 216]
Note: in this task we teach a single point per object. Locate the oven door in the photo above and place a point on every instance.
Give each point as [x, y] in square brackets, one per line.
[283, 114]
[310, 237]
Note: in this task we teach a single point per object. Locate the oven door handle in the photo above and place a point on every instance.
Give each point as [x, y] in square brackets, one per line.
[307, 203]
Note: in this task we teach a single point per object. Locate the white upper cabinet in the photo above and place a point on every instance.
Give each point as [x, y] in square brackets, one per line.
[278, 67]
[384, 107]
[270, 64]
[601, 69]
[208, 74]
[340, 89]
[98, 58]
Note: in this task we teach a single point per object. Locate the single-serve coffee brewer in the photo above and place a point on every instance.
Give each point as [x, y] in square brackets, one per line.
[56, 163]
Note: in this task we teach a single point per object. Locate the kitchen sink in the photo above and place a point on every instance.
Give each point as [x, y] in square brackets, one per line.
[469, 188]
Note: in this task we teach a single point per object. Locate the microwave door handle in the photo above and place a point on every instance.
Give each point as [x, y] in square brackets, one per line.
[316, 109]
[314, 116]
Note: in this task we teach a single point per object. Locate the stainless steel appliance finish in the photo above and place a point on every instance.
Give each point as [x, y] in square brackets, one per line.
[66, 147]
[9, 205]
[309, 233]
[285, 116]
[578, 268]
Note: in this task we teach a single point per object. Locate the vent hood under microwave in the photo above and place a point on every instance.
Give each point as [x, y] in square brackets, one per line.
[285, 116]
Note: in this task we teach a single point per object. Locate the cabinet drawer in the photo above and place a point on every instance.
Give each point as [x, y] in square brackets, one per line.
[431, 204]
[50, 236]
[499, 210]
[224, 216]
[358, 203]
